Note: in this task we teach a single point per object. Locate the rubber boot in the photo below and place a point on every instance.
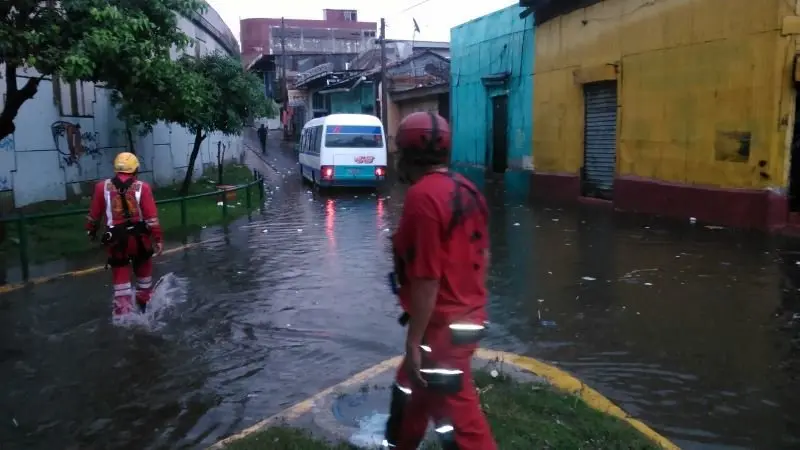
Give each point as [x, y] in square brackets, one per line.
[394, 424]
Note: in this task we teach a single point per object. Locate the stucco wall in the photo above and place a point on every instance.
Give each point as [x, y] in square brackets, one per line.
[495, 43]
[695, 77]
[356, 101]
[37, 164]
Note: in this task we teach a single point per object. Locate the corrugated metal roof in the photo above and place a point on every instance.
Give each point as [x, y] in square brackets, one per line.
[545, 10]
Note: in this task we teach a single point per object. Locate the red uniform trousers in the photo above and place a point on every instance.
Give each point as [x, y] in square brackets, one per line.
[463, 409]
[121, 275]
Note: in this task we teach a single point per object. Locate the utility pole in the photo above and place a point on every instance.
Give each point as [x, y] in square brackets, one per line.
[384, 81]
[284, 84]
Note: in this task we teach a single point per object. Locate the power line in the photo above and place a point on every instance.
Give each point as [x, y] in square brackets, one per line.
[413, 6]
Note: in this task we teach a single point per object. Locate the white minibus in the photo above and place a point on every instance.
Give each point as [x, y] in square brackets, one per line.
[343, 150]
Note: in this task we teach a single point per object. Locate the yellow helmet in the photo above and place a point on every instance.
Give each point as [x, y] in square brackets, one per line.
[126, 162]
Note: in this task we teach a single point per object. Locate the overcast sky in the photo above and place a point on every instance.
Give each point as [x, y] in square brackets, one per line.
[435, 17]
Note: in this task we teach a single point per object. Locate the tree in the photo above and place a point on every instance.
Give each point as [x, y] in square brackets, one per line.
[111, 41]
[159, 89]
[224, 99]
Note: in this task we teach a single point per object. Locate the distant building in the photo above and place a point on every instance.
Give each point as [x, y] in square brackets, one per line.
[333, 41]
[339, 32]
[355, 87]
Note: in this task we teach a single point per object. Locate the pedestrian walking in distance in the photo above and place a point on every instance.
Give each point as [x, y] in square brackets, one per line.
[262, 138]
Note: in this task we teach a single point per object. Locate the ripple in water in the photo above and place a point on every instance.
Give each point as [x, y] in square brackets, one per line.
[168, 291]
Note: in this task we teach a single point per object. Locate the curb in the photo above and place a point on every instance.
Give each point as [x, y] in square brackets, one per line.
[558, 378]
[261, 156]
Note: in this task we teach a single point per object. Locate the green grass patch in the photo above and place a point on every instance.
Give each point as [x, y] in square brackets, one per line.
[523, 416]
[63, 237]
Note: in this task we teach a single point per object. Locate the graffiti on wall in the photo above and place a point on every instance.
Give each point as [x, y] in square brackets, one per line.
[7, 143]
[72, 143]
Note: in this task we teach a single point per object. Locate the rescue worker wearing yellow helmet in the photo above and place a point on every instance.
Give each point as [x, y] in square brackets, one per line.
[132, 232]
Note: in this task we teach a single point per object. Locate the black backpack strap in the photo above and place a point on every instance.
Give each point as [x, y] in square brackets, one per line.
[460, 210]
[122, 189]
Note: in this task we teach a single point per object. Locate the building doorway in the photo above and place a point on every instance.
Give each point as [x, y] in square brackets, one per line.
[499, 133]
[794, 161]
[599, 139]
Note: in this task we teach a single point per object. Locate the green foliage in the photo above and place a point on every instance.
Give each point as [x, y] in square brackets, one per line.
[223, 100]
[118, 42]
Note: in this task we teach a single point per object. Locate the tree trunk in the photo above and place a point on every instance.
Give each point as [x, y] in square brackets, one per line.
[131, 148]
[15, 97]
[220, 157]
[198, 140]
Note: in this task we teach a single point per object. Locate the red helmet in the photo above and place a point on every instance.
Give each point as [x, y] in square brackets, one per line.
[424, 137]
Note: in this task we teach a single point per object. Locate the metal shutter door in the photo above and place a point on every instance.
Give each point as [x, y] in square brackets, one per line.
[600, 137]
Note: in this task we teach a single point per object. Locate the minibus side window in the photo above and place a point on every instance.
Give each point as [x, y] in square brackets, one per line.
[317, 139]
[303, 135]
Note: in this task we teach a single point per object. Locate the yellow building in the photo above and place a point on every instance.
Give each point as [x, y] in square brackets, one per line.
[676, 107]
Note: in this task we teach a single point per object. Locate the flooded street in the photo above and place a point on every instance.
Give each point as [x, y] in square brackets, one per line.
[676, 323]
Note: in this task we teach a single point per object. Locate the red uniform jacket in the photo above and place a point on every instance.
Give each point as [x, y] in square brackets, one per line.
[429, 249]
[106, 202]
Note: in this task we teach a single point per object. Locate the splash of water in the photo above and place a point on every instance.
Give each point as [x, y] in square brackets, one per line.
[168, 291]
[370, 431]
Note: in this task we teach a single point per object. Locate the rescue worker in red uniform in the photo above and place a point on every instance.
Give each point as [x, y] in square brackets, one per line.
[132, 232]
[441, 250]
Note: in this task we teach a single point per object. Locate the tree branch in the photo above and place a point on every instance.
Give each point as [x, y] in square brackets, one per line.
[15, 98]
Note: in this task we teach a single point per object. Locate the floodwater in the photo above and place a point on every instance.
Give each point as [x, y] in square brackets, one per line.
[686, 327]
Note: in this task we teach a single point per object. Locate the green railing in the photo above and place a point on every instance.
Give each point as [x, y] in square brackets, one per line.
[22, 220]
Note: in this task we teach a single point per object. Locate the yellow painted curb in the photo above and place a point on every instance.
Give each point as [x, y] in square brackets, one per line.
[5, 289]
[567, 383]
[305, 406]
[556, 377]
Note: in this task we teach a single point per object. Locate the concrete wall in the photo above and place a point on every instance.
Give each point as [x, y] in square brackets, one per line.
[49, 158]
[495, 43]
[691, 75]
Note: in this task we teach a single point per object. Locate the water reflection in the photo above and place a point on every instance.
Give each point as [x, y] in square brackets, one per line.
[381, 213]
[330, 221]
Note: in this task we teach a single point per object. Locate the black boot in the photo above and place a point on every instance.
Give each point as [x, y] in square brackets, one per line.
[400, 397]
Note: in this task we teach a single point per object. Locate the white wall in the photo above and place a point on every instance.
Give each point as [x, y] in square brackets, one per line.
[36, 163]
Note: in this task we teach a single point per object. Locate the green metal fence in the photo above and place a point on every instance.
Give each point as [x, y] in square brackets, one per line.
[22, 220]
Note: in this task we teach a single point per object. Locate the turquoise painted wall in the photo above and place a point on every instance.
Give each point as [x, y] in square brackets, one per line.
[497, 42]
[354, 101]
